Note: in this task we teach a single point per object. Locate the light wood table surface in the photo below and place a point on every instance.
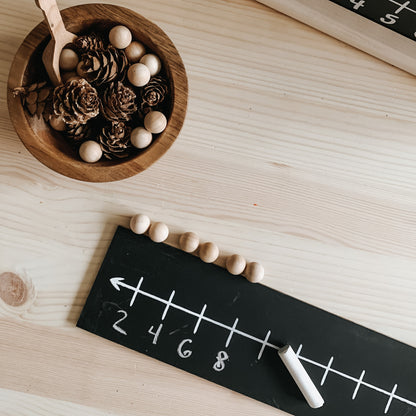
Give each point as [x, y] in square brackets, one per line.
[298, 151]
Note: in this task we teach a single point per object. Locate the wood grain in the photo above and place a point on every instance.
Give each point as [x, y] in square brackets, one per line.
[353, 29]
[45, 143]
[298, 152]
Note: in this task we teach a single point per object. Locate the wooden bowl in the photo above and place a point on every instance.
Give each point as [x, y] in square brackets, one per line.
[47, 145]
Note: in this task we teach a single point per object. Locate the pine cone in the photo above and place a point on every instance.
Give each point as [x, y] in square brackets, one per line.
[87, 43]
[76, 101]
[115, 140]
[117, 102]
[154, 92]
[101, 66]
[78, 133]
[35, 97]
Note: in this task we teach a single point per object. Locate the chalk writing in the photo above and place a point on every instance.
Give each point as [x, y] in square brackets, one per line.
[219, 365]
[116, 327]
[186, 353]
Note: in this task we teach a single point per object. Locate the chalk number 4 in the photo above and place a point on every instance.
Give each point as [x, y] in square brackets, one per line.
[357, 4]
[116, 327]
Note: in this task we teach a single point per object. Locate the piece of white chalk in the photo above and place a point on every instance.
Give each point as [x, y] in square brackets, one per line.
[301, 377]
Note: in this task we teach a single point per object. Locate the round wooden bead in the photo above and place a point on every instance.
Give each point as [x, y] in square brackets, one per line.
[139, 223]
[254, 272]
[57, 123]
[152, 62]
[120, 37]
[135, 51]
[208, 252]
[158, 232]
[189, 242]
[90, 151]
[235, 264]
[155, 122]
[138, 75]
[68, 60]
[69, 76]
[140, 137]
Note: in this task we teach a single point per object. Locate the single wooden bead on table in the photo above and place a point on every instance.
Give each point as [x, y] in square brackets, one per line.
[68, 60]
[138, 75]
[135, 51]
[139, 223]
[155, 122]
[254, 272]
[189, 242]
[120, 37]
[140, 137]
[235, 264]
[158, 232]
[208, 252]
[90, 151]
[152, 62]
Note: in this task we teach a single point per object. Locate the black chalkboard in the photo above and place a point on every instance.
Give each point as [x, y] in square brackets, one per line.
[170, 305]
[397, 15]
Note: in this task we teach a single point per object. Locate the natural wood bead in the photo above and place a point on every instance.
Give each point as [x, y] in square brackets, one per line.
[139, 223]
[189, 242]
[120, 37]
[158, 232]
[138, 75]
[69, 76]
[68, 60]
[90, 151]
[235, 264]
[152, 62]
[254, 272]
[135, 51]
[208, 252]
[155, 122]
[57, 123]
[140, 137]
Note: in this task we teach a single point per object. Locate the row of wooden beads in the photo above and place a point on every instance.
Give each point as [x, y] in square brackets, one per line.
[189, 242]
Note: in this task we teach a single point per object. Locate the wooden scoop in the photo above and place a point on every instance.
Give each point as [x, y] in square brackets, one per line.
[60, 38]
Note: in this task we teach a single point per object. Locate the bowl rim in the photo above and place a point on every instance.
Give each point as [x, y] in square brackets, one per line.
[103, 171]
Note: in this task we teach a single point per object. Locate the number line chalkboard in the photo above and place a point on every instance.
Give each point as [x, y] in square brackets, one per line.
[399, 16]
[170, 305]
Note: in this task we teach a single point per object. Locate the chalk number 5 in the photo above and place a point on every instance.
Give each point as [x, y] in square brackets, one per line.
[116, 327]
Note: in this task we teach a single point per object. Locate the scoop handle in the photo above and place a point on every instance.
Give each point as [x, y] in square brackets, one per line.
[52, 16]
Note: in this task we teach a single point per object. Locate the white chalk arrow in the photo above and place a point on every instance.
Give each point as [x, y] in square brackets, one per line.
[119, 281]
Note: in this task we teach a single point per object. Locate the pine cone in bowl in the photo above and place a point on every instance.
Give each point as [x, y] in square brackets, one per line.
[118, 102]
[89, 42]
[76, 101]
[78, 133]
[154, 92]
[101, 66]
[35, 97]
[115, 140]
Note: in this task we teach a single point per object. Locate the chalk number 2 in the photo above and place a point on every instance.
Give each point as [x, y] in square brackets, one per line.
[116, 327]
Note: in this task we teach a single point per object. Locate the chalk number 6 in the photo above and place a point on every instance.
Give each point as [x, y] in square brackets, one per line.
[116, 327]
